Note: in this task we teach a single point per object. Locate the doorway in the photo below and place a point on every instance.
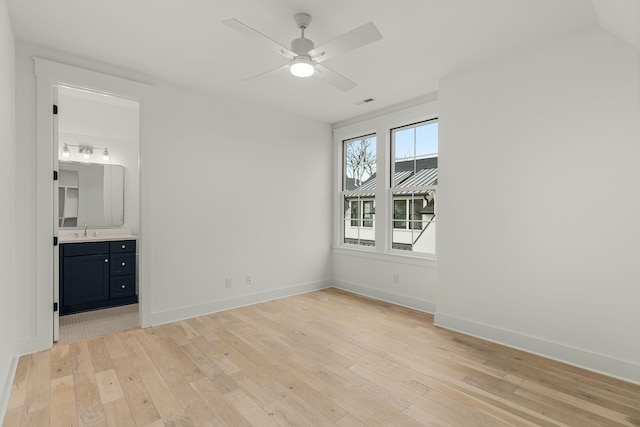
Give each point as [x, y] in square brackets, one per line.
[96, 197]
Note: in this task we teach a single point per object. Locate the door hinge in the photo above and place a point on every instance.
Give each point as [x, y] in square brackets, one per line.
[55, 307]
[55, 240]
[55, 175]
[55, 109]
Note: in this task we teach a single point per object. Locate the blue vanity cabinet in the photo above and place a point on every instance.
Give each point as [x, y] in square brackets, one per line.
[97, 275]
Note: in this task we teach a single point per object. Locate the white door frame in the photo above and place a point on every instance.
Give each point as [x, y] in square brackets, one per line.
[56, 202]
[50, 74]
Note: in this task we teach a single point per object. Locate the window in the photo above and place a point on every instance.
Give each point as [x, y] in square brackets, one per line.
[405, 189]
[367, 213]
[358, 190]
[413, 181]
[407, 210]
[355, 213]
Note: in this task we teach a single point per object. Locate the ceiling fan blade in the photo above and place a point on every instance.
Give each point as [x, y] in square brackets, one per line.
[365, 34]
[333, 78]
[258, 36]
[269, 73]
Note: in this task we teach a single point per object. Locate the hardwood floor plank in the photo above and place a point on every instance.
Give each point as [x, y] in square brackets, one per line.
[60, 361]
[117, 414]
[201, 415]
[217, 377]
[99, 354]
[171, 375]
[224, 412]
[141, 407]
[63, 402]
[114, 345]
[249, 409]
[164, 400]
[312, 397]
[36, 407]
[88, 402]
[325, 358]
[109, 386]
[186, 366]
[13, 416]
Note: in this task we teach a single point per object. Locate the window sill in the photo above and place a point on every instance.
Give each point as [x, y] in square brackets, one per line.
[421, 261]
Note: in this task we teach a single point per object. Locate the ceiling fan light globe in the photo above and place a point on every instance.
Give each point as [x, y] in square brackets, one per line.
[302, 67]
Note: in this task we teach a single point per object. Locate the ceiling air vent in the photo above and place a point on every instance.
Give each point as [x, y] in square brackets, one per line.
[365, 101]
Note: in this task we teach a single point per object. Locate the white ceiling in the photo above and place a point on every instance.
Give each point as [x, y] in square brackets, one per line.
[184, 41]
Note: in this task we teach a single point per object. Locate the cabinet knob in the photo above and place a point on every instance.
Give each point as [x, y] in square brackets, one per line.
[123, 286]
[124, 263]
[106, 260]
[124, 246]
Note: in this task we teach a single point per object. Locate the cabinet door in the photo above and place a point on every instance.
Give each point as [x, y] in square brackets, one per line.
[85, 279]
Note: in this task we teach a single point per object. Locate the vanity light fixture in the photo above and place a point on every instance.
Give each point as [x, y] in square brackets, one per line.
[86, 151]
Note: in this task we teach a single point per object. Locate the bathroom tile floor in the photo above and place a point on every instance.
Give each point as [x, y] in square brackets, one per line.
[98, 322]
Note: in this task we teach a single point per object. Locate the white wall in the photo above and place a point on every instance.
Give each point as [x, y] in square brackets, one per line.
[238, 189]
[228, 189]
[370, 271]
[7, 214]
[539, 215]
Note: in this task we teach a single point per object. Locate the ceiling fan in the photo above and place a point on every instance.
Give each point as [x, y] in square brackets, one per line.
[305, 58]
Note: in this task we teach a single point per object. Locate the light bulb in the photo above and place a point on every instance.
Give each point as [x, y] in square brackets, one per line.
[105, 155]
[302, 67]
[86, 153]
[65, 152]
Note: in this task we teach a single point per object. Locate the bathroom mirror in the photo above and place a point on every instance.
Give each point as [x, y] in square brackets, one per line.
[90, 193]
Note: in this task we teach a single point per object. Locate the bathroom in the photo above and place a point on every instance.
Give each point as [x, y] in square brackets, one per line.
[96, 213]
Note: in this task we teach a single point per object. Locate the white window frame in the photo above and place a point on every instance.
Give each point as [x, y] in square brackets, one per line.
[379, 124]
[357, 196]
[410, 189]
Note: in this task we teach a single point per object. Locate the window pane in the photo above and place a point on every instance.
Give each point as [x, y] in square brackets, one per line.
[399, 212]
[359, 225]
[414, 173]
[355, 213]
[367, 213]
[416, 215]
[359, 163]
[419, 234]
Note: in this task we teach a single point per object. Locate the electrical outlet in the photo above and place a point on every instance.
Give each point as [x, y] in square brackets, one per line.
[396, 278]
[248, 280]
[228, 282]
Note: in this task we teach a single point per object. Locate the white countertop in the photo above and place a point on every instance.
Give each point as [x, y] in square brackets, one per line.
[95, 235]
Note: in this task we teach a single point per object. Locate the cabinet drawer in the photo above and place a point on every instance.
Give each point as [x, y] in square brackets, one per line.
[122, 286]
[123, 264]
[76, 249]
[122, 246]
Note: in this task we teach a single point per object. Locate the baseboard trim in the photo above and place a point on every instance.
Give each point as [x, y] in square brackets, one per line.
[6, 390]
[168, 316]
[602, 364]
[392, 297]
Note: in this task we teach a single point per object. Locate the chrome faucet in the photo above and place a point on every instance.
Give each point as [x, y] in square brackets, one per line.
[85, 230]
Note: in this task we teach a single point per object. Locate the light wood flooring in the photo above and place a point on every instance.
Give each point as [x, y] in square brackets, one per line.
[326, 358]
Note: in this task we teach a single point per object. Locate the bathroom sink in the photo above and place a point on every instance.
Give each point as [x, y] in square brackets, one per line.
[95, 235]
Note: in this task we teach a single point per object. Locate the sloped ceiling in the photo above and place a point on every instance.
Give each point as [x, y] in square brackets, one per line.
[184, 41]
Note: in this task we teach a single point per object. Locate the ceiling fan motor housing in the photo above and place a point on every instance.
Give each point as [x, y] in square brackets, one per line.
[301, 46]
